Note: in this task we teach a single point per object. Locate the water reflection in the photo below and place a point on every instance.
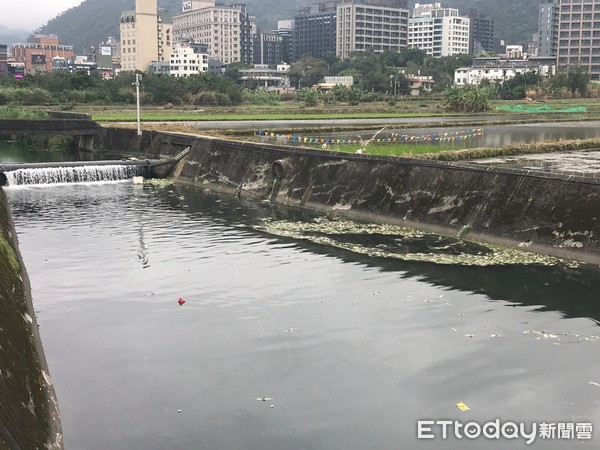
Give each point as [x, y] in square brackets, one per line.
[493, 135]
[549, 286]
[14, 150]
[352, 349]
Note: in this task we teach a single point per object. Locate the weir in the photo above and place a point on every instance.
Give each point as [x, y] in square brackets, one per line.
[85, 171]
[546, 213]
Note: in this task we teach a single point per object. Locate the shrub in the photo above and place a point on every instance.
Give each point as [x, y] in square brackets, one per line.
[261, 97]
[208, 98]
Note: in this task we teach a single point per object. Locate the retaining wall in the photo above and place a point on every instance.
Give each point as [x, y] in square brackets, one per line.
[28, 410]
[545, 213]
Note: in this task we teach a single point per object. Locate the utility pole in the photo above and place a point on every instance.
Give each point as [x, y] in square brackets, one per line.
[138, 77]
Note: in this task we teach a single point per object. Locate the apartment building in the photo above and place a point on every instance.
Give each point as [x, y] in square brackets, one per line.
[146, 36]
[36, 56]
[481, 32]
[285, 29]
[3, 60]
[268, 49]
[439, 31]
[227, 30]
[361, 27]
[549, 14]
[315, 30]
[579, 36]
[187, 60]
[498, 70]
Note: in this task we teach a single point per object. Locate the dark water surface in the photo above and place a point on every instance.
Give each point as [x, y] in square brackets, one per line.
[13, 150]
[351, 350]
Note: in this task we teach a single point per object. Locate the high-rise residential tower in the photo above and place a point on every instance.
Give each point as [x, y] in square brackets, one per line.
[227, 30]
[368, 27]
[579, 36]
[549, 13]
[146, 36]
[439, 31]
[315, 28]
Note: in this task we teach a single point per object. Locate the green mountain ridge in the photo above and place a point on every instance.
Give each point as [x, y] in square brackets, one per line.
[94, 20]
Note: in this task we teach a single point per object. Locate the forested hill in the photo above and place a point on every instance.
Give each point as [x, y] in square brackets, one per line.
[515, 20]
[94, 20]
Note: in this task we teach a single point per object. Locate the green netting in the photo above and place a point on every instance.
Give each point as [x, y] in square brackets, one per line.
[539, 109]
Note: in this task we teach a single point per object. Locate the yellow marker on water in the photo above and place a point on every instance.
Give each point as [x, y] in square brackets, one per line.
[462, 406]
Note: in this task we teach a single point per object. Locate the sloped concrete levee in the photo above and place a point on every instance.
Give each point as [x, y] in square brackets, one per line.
[29, 416]
[546, 213]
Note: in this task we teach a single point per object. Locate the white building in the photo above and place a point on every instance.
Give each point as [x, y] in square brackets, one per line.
[146, 36]
[422, 10]
[267, 78]
[361, 28]
[227, 30]
[186, 61]
[498, 70]
[438, 31]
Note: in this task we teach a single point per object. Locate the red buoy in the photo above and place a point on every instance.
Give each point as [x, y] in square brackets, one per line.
[181, 301]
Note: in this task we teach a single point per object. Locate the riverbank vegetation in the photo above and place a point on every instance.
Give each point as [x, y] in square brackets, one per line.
[12, 112]
[378, 78]
[457, 152]
[529, 86]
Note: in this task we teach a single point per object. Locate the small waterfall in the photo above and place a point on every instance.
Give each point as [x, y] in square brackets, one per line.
[81, 174]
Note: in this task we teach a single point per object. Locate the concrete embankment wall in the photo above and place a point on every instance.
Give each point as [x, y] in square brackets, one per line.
[545, 213]
[28, 410]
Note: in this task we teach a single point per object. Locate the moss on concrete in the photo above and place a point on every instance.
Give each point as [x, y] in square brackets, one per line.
[28, 412]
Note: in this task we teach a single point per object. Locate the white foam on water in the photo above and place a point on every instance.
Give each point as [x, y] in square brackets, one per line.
[62, 175]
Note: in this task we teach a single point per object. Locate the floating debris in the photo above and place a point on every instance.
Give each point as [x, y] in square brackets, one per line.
[462, 406]
[181, 301]
[542, 335]
[393, 241]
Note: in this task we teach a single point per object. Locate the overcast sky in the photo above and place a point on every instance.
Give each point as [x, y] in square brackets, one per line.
[32, 14]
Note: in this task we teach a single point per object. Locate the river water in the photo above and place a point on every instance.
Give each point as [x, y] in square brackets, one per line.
[491, 136]
[299, 331]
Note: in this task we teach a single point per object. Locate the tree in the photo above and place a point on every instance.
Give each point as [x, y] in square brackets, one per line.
[233, 70]
[516, 87]
[578, 80]
[307, 72]
[469, 99]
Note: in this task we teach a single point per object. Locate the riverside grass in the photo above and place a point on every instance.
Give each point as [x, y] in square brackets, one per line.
[442, 152]
[200, 117]
[418, 107]
[513, 150]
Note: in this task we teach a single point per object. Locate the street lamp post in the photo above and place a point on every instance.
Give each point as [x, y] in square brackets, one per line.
[138, 77]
